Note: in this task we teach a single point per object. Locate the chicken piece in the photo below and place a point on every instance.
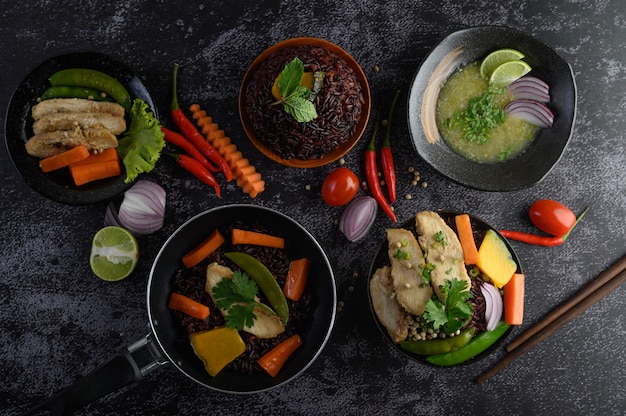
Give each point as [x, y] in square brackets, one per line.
[407, 263]
[75, 105]
[386, 306]
[69, 121]
[267, 323]
[52, 143]
[443, 250]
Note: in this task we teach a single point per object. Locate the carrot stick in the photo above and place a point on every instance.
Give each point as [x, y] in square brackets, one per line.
[514, 300]
[273, 360]
[83, 174]
[239, 236]
[205, 248]
[188, 306]
[104, 156]
[64, 159]
[466, 237]
[248, 179]
[296, 278]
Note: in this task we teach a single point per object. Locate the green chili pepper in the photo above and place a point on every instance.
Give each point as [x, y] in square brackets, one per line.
[65, 91]
[82, 77]
[477, 345]
[438, 346]
[266, 281]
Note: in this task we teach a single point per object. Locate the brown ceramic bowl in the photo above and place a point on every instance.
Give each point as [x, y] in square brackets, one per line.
[266, 136]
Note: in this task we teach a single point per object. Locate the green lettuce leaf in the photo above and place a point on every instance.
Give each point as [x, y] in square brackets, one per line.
[141, 145]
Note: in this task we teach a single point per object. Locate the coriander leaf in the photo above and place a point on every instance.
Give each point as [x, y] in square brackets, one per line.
[454, 312]
[236, 297]
[241, 316]
[141, 145]
[245, 286]
[291, 77]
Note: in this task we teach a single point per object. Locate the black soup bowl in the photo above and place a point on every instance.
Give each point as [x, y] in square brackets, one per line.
[167, 343]
[471, 45]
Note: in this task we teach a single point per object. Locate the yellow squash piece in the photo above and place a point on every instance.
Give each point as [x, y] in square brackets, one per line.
[217, 347]
[495, 259]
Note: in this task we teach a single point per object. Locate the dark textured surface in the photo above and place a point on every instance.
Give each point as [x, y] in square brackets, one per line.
[58, 321]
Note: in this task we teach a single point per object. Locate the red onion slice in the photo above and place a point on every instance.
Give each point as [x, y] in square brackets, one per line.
[530, 88]
[531, 111]
[143, 209]
[493, 305]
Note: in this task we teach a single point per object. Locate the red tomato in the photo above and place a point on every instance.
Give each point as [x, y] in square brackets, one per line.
[552, 217]
[339, 187]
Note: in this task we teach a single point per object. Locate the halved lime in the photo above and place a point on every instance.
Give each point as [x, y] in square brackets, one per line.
[497, 58]
[114, 253]
[509, 72]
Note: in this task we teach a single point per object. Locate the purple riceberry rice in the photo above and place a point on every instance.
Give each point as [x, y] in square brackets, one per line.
[338, 104]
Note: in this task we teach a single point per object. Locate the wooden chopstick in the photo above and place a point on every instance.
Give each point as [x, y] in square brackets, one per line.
[589, 295]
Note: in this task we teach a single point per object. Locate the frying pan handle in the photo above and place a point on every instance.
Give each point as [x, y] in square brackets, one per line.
[127, 366]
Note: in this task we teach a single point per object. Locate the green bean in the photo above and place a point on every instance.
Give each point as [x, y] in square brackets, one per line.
[82, 77]
[438, 346]
[477, 345]
[64, 91]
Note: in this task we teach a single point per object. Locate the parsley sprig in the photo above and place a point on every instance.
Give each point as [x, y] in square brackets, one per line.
[454, 312]
[295, 96]
[237, 297]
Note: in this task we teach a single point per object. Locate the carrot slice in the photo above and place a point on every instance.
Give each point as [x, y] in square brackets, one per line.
[90, 172]
[248, 179]
[514, 300]
[273, 360]
[296, 278]
[466, 237]
[64, 159]
[239, 236]
[205, 248]
[188, 306]
[104, 156]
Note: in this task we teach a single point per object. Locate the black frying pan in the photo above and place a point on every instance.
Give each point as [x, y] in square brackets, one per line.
[160, 346]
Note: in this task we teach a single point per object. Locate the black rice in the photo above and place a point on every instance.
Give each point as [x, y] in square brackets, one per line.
[339, 105]
[191, 283]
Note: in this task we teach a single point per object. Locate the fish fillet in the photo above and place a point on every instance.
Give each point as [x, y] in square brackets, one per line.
[52, 143]
[443, 250]
[69, 121]
[75, 105]
[407, 264]
[386, 306]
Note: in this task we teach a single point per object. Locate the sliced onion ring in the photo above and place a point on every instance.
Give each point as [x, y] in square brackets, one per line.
[531, 111]
[530, 88]
[493, 305]
[143, 209]
[358, 217]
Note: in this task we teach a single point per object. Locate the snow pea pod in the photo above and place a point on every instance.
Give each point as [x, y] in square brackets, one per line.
[65, 91]
[266, 281]
[438, 346]
[477, 345]
[83, 77]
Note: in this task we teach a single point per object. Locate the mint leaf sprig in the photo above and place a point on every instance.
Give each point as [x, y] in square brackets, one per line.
[237, 298]
[294, 95]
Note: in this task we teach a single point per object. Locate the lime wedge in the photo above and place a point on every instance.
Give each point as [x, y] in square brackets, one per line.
[114, 253]
[509, 72]
[497, 58]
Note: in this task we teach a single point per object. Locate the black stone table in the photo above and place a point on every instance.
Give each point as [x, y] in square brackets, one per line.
[58, 321]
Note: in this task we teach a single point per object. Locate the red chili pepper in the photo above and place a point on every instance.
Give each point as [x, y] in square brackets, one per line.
[193, 135]
[194, 167]
[386, 158]
[541, 240]
[538, 240]
[371, 174]
[181, 141]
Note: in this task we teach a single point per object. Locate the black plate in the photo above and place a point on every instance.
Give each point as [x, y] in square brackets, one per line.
[320, 284]
[59, 186]
[474, 44]
[479, 227]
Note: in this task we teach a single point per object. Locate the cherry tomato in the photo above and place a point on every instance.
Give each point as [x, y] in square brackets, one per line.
[339, 187]
[552, 217]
